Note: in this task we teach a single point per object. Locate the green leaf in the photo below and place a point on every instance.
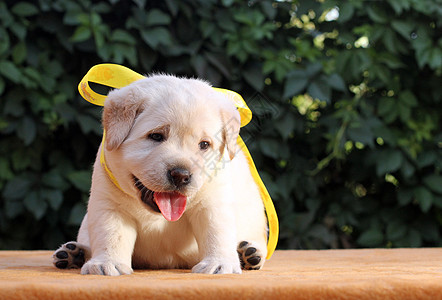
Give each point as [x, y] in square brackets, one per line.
[2, 88]
[54, 197]
[390, 41]
[319, 89]
[173, 6]
[286, 125]
[313, 70]
[435, 59]
[377, 14]
[396, 5]
[346, 11]
[27, 130]
[404, 196]
[362, 134]
[54, 68]
[54, 180]
[123, 36]
[5, 169]
[17, 188]
[382, 72]
[386, 106]
[270, 147]
[336, 82]
[371, 238]
[77, 214]
[81, 180]
[404, 113]
[434, 183]
[19, 53]
[10, 71]
[396, 230]
[227, 3]
[268, 9]
[81, 34]
[407, 169]
[13, 208]
[253, 75]
[295, 83]
[388, 161]
[221, 62]
[4, 40]
[140, 3]
[157, 36]
[408, 98]
[24, 9]
[35, 204]
[20, 160]
[32, 74]
[414, 239]
[88, 124]
[404, 28]
[157, 17]
[424, 198]
[426, 159]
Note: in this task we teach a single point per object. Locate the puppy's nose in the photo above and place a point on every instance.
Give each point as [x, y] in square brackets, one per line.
[179, 177]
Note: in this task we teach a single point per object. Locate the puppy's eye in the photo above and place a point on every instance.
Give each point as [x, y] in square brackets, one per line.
[157, 137]
[204, 145]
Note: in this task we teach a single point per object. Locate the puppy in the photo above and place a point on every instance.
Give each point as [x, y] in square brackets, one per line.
[182, 194]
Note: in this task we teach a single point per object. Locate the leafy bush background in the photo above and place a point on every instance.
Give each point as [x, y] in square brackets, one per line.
[348, 130]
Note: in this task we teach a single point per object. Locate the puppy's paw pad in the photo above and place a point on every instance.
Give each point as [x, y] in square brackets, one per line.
[105, 267]
[250, 256]
[70, 256]
[217, 266]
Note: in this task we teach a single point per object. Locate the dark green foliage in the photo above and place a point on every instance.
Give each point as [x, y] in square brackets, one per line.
[347, 129]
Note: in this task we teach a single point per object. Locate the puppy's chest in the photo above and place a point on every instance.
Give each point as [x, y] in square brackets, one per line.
[165, 246]
[164, 236]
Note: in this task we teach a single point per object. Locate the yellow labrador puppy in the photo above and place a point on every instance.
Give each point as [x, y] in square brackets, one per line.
[185, 196]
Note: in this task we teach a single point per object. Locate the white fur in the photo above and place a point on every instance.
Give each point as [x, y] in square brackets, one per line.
[223, 208]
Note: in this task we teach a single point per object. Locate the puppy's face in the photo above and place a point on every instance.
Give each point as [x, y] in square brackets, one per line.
[169, 134]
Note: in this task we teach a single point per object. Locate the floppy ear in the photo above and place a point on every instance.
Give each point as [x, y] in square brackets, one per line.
[231, 124]
[120, 110]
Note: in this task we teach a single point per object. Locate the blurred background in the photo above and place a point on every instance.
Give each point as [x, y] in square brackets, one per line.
[346, 97]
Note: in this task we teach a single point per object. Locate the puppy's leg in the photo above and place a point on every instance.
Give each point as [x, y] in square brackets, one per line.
[112, 241]
[215, 232]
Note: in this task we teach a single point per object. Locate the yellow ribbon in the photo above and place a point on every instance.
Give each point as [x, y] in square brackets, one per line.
[117, 76]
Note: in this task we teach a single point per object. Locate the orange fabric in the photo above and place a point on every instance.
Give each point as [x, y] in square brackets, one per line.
[328, 274]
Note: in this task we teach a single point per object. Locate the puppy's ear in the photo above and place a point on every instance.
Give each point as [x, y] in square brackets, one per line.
[120, 110]
[231, 124]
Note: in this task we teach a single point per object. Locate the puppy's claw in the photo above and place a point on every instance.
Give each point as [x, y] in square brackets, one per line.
[217, 266]
[105, 267]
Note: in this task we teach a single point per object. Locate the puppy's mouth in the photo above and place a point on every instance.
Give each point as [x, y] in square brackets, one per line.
[170, 204]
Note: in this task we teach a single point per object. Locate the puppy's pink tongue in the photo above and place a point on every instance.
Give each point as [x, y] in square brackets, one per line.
[171, 204]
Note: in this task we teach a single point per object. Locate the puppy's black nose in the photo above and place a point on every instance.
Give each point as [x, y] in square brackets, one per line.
[179, 177]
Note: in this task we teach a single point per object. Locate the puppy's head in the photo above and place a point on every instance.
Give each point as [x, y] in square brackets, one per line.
[166, 136]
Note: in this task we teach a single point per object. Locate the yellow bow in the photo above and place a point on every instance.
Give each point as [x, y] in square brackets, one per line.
[117, 76]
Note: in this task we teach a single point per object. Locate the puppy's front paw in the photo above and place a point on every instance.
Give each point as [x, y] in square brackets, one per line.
[250, 256]
[213, 265]
[97, 266]
[71, 255]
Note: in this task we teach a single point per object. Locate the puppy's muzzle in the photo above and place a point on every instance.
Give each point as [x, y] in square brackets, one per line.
[179, 177]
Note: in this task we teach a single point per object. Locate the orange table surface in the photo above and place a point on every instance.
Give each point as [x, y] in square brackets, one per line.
[289, 274]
